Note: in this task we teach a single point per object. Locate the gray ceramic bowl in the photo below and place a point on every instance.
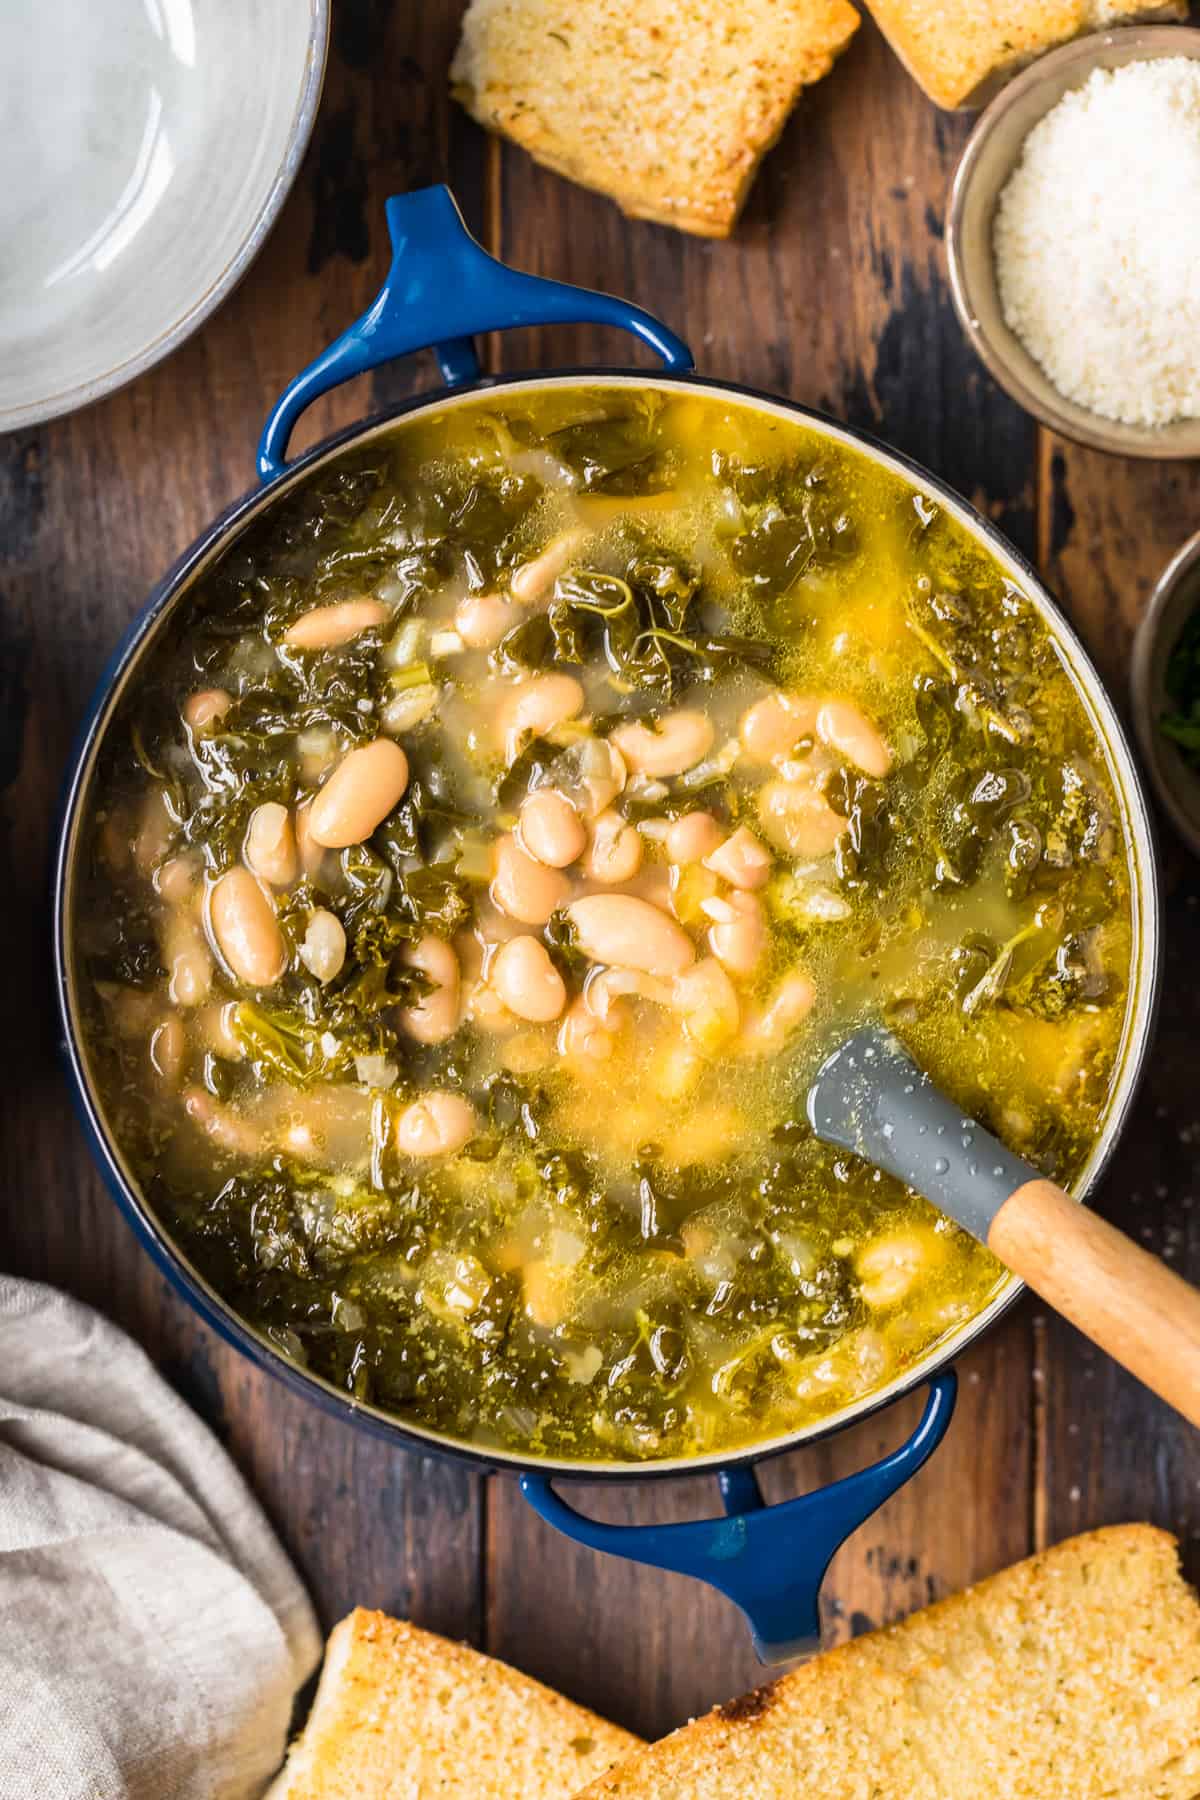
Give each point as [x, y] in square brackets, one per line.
[992, 152]
[1176, 595]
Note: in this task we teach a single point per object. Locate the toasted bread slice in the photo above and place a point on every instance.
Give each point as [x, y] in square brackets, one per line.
[666, 105]
[1073, 1676]
[960, 54]
[402, 1714]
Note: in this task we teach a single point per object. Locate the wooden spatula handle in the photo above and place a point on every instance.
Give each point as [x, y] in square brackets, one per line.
[1132, 1305]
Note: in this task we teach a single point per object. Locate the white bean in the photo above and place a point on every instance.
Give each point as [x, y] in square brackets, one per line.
[325, 627]
[798, 819]
[615, 852]
[481, 620]
[359, 795]
[327, 1125]
[845, 728]
[533, 581]
[888, 1266]
[485, 1009]
[270, 847]
[175, 880]
[311, 854]
[605, 987]
[679, 741]
[535, 706]
[708, 1003]
[739, 936]
[323, 951]
[186, 955]
[246, 929]
[205, 706]
[768, 1031]
[434, 1017]
[692, 838]
[550, 830]
[583, 1037]
[214, 1028]
[656, 888]
[741, 860]
[436, 1125]
[526, 980]
[773, 726]
[621, 929]
[221, 1124]
[525, 889]
[155, 827]
[168, 1049]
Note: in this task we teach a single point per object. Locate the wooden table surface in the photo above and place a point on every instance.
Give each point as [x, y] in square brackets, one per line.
[834, 291]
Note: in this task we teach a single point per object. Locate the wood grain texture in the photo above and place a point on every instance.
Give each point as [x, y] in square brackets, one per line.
[93, 509]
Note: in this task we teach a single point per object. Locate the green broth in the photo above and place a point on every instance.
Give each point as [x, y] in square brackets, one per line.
[633, 1247]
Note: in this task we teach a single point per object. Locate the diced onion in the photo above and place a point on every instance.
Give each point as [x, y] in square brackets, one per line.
[582, 1366]
[406, 645]
[713, 767]
[375, 1071]
[410, 707]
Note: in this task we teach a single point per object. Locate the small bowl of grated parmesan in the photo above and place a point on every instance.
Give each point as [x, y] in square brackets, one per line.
[1073, 240]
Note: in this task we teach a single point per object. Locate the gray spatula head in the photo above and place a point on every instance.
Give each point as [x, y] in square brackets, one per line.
[869, 1097]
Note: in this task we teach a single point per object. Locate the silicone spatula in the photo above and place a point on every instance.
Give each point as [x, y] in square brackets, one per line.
[870, 1098]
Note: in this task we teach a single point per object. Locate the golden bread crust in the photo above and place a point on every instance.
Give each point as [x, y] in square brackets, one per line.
[667, 106]
[959, 49]
[1075, 1674]
[402, 1713]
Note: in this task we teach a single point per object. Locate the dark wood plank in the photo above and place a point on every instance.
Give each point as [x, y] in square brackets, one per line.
[834, 291]
[92, 510]
[1111, 1451]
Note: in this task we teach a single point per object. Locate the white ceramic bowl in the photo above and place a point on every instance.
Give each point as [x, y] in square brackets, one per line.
[146, 148]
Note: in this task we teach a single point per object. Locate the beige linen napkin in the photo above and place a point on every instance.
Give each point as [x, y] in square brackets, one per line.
[152, 1631]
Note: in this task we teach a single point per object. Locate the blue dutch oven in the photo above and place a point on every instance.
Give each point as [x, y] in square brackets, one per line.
[441, 291]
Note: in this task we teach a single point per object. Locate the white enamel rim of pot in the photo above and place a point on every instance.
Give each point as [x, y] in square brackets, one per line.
[1135, 822]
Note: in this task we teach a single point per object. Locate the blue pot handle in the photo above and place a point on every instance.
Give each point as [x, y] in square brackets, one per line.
[769, 1560]
[441, 290]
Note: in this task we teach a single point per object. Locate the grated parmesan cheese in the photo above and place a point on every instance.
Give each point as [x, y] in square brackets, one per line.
[1097, 243]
